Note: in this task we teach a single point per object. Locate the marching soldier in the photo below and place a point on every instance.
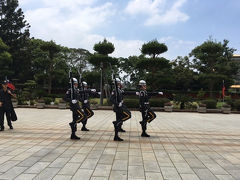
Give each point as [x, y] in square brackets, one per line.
[147, 113]
[85, 93]
[73, 97]
[122, 113]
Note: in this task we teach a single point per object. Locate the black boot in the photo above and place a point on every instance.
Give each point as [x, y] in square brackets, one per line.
[116, 127]
[121, 130]
[11, 127]
[144, 134]
[2, 128]
[74, 136]
[144, 128]
[116, 137]
[84, 128]
[74, 129]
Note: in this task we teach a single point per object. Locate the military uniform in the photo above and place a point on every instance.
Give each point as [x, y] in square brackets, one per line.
[147, 113]
[86, 106]
[122, 113]
[77, 113]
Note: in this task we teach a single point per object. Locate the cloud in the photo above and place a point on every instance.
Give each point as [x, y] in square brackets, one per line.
[58, 19]
[177, 47]
[76, 24]
[158, 12]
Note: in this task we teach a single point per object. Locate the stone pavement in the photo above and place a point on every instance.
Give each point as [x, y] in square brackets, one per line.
[186, 146]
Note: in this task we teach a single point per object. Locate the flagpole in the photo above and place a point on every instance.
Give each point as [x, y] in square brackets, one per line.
[223, 91]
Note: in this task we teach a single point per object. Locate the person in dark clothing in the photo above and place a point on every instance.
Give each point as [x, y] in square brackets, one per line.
[147, 113]
[122, 113]
[6, 105]
[85, 94]
[77, 113]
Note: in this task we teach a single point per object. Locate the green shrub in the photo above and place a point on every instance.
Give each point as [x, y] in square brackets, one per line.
[228, 100]
[158, 102]
[39, 93]
[200, 94]
[183, 100]
[21, 100]
[237, 104]
[131, 103]
[226, 106]
[93, 101]
[107, 102]
[192, 105]
[47, 100]
[210, 103]
[32, 102]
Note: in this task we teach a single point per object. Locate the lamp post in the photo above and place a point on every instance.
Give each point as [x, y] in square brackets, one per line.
[101, 84]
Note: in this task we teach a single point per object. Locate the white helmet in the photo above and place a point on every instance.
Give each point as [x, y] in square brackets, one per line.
[75, 81]
[118, 80]
[84, 83]
[142, 83]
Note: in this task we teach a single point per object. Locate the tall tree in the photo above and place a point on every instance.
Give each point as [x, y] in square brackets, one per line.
[14, 31]
[48, 64]
[52, 60]
[158, 69]
[101, 59]
[183, 73]
[130, 70]
[153, 48]
[5, 60]
[213, 61]
[77, 58]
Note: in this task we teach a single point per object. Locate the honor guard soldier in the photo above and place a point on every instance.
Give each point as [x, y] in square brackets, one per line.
[73, 96]
[85, 94]
[122, 113]
[147, 113]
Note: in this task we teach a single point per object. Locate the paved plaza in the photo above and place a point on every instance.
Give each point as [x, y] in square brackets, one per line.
[186, 146]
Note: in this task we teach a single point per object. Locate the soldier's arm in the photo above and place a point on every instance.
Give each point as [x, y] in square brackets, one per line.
[155, 93]
[130, 93]
[67, 96]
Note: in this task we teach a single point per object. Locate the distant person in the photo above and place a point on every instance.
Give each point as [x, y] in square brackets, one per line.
[6, 106]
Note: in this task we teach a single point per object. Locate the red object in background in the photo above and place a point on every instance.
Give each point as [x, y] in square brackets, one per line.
[223, 91]
[11, 86]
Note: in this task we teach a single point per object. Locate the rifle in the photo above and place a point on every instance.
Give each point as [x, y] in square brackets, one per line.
[71, 84]
[115, 84]
[81, 83]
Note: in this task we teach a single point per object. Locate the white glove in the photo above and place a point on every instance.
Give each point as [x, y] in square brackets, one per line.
[160, 93]
[137, 93]
[120, 104]
[99, 93]
[85, 101]
[74, 101]
[93, 90]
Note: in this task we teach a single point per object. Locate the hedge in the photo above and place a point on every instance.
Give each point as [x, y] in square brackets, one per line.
[134, 103]
[159, 102]
[236, 104]
[210, 103]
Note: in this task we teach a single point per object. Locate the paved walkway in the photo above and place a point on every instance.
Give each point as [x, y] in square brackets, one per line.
[185, 146]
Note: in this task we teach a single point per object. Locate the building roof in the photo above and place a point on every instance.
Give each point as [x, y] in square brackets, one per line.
[235, 86]
[236, 56]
